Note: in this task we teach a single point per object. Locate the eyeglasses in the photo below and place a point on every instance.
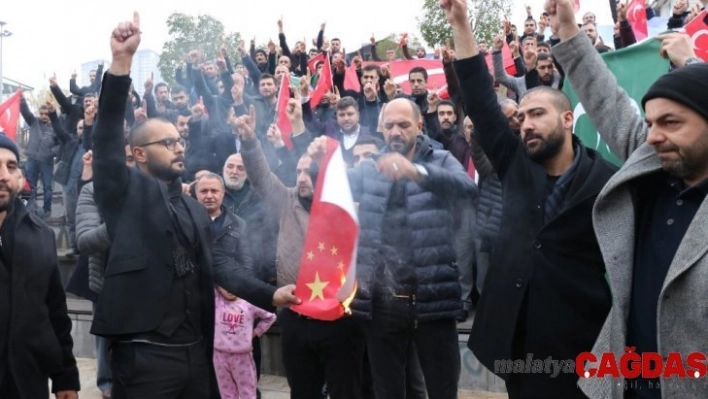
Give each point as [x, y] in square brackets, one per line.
[169, 143]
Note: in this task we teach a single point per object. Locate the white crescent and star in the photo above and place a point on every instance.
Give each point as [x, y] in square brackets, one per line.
[697, 35]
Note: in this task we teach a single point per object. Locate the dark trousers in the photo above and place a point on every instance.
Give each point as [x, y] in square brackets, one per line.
[161, 372]
[415, 382]
[389, 336]
[8, 389]
[318, 352]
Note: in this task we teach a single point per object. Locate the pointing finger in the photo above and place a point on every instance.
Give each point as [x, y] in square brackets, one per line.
[136, 19]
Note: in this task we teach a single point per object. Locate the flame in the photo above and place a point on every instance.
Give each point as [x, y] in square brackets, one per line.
[348, 300]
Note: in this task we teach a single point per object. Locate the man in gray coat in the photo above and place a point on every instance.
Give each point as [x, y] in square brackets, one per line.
[651, 219]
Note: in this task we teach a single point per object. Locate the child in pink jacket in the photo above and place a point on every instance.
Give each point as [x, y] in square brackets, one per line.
[233, 353]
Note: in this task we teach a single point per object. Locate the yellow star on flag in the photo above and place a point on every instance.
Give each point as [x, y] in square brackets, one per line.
[310, 256]
[334, 250]
[317, 287]
[321, 247]
[340, 265]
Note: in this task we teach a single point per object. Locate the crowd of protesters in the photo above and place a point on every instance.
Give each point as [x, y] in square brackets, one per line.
[188, 210]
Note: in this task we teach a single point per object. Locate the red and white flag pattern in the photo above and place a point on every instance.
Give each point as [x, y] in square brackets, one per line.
[327, 278]
[10, 115]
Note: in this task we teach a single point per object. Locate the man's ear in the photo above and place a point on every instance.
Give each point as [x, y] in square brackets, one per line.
[139, 154]
[568, 120]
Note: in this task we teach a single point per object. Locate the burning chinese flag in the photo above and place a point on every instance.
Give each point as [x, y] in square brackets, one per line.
[10, 115]
[286, 128]
[637, 17]
[324, 84]
[697, 29]
[326, 282]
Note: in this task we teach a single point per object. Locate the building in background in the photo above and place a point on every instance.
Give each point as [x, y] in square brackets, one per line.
[145, 63]
[10, 86]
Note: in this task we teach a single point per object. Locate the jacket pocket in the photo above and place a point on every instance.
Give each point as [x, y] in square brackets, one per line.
[126, 264]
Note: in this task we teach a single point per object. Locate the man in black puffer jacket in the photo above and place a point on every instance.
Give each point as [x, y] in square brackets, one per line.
[408, 284]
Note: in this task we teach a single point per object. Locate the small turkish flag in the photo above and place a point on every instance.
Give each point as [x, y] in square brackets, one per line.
[697, 29]
[327, 278]
[637, 17]
[312, 63]
[10, 115]
[324, 84]
[286, 128]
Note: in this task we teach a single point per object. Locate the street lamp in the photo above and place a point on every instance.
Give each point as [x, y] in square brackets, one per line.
[3, 34]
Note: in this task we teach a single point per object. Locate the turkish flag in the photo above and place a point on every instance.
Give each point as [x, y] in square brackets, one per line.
[326, 282]
[697, 29]
[286, 128]
[324, 84]
[637, 17]
[507, 59]
[312, 62]
[10, 115]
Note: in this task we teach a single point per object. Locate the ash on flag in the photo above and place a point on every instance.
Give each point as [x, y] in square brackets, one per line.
[326, 281]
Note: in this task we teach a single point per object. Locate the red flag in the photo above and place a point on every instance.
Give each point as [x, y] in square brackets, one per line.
[286, 128]
[10, 115]
[507, 59]
[312, 63]
[637, 17]
[697, 29]
[324, 84]
[576, 5]
[399, 73]
[326, 281]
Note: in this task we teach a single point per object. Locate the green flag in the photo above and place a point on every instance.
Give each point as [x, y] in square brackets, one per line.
[636, 68]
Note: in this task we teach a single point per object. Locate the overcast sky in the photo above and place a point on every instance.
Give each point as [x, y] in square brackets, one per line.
[57, 36]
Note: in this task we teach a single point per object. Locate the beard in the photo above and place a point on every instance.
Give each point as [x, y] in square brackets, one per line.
[235, 185]
[166, 172]
[688, 164]
[6, 203]
[402, 147]
[548, 147]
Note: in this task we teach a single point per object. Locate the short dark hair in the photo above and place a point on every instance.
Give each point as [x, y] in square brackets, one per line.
[43, 108]
[371, 67]
[139, 131]
[336, 38]
[89, 95]
[558, 98]
[543, 57]
[529, 19]
[346, 102]
[528, 38]
[446, 102]
[161, 84]
[420, 70]
[184, 112]
[594, 25]
[544, 45]
[266, 76]
[179, 89]
[365, 140]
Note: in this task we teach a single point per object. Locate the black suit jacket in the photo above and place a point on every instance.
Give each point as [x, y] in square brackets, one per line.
[139, 270]
[545, 293]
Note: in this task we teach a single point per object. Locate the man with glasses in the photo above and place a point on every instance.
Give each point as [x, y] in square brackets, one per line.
[157, 300]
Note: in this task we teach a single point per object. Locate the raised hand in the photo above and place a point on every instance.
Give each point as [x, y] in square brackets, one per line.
[149, 83]
[621, 11]
[89, 115]
[271, 46]
[305, 85]
[247, 124]
[390, 89]
[433, 101]
[139, 114]
[53, 80]
[74, 75]
[498, 43]
[561, 15]
[125, 40]
[357, 61]
[274, 136]
[221, 63]
[455, 12]
[514, 47]
[294, 110]
[372, 40]
[197, 110]
[241, 49]
[193, 57]
[50, 107]
[87, 159]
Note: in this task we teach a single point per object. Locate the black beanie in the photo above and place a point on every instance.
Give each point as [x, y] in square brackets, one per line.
[687, 85]
[6, 142]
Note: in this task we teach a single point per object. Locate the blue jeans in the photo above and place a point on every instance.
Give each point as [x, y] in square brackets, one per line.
[46, 170]
[71, 194]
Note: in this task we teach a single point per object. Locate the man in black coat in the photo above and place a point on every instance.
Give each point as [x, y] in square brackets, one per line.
[35, 338]
[546, 295]
[157, 300]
